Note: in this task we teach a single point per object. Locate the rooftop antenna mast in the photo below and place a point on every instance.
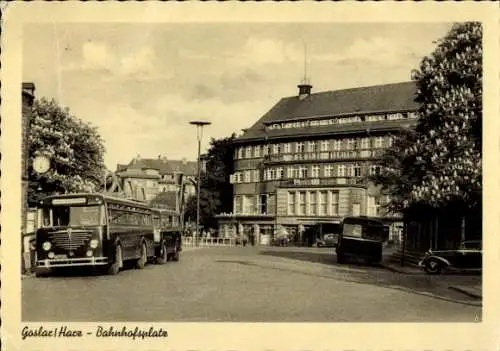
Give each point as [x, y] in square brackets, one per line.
[306, 79]
[305, 63]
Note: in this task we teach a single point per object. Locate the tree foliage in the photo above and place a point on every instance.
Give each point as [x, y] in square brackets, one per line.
[439, 163]
[216, 193]
[74, 147]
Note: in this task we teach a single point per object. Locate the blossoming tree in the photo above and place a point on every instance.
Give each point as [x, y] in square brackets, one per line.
[438, 165]
[74, 147]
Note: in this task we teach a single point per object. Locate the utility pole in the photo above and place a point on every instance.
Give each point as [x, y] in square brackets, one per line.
[199, 131]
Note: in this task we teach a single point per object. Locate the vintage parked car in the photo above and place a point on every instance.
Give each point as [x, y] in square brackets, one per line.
[329, 240]
[468, 257]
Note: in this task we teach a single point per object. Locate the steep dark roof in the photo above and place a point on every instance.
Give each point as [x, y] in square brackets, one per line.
[373, 99]
[164, 166]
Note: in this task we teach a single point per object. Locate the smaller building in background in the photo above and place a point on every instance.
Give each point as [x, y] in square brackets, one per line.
[158, 179]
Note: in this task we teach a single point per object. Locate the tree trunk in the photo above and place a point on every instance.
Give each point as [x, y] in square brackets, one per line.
[462, 229]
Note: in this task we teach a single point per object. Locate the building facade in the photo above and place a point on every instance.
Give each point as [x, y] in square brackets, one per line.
[306, 161]
[158, 180]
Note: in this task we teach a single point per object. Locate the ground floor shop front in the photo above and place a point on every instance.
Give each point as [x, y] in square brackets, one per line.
[266, 230]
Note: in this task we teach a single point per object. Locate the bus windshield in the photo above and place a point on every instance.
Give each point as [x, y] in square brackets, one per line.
[353, 230]
[73, 216]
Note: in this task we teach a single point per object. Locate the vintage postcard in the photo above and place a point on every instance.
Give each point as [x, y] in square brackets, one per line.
[249, 176]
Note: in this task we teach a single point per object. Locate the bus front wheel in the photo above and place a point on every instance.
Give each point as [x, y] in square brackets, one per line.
[141, 262]
[117, 264]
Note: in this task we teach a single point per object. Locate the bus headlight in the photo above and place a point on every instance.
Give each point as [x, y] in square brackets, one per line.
[94, 243]
[51, 255]
[89, 253]
[46, 246]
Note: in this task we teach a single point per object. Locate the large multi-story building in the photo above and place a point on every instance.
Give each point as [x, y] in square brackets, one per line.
[306, 161]
[158, 179]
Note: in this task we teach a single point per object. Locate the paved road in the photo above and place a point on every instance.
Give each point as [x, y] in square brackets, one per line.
[246, 285]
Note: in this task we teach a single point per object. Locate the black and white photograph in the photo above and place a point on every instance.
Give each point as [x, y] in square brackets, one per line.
[248, 171]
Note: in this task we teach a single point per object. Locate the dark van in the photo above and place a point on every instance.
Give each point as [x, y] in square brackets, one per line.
[361, 237]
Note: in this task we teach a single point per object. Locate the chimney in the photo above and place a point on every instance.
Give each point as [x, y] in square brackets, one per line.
[304, 90]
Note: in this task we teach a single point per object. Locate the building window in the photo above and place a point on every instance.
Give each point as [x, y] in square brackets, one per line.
[365, 143]
[280, 173]
[312, 146]
[255, 175]
[302, 203]
[233, 178]
[373, 206]
[374, 170]
[247, 175]
[276, 148]
[312, 203]
[265, 150]
[322, 203]
[390, 140]
[341, 170]
[329, 171]
[293, 172]
[256, 151]
[303, 172]
[240, 152]
[315, 171]
[249, 151]
[324, 145]
[238, 204]
[379, 142]
[291, 203]
[350, 144]
[263, 204]
[334, 204]
[357, 170]
[356, 209]
[287, 148]
[337, 145]
[394, 116]
[300, 147]
[272, 173]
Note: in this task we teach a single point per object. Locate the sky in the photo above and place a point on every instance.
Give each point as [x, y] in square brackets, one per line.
[141, 84]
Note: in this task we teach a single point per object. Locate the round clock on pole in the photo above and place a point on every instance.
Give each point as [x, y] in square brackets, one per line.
[41, 164]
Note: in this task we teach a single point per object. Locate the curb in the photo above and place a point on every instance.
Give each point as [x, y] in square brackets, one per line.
[465, 292]
[400, 270]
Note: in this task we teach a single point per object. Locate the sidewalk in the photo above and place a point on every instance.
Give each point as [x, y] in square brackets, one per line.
[453, 282]
[474, 291]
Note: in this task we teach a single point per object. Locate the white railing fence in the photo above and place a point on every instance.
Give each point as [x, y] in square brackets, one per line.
[190, 241]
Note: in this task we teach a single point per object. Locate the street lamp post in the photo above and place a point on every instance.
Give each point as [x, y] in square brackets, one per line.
[199, 131]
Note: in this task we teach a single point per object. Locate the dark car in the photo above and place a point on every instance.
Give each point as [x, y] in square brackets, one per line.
[468, 257]
[329, 240]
